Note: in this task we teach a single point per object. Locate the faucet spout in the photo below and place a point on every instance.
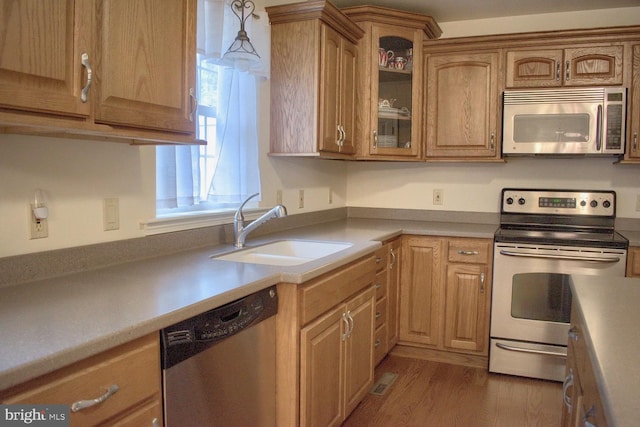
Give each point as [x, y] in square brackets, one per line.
[240, 232]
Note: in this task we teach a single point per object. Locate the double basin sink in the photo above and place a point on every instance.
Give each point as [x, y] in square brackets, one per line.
[285, 252]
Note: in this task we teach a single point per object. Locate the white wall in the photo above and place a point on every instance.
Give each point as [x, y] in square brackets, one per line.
[77, 175]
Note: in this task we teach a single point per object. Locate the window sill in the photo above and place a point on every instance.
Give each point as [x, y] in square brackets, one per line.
[189, 221]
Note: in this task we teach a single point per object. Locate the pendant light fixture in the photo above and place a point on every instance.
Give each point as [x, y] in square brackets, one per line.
[241, 53]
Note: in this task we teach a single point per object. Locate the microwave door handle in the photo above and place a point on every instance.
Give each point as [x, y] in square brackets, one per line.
[599, 129]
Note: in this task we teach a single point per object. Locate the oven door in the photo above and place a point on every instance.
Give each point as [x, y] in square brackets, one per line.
[531, 295]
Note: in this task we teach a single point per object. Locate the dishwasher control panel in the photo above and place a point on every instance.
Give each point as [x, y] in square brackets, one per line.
[200, 332]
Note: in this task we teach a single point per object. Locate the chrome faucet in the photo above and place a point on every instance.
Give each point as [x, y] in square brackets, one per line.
[240, 232]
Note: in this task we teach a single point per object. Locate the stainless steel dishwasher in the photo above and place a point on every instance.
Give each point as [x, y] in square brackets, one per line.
[218, 368]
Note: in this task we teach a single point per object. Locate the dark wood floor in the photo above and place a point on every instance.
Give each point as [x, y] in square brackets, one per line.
[437, 394]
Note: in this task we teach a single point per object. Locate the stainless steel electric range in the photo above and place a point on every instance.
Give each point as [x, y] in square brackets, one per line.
[544, 237]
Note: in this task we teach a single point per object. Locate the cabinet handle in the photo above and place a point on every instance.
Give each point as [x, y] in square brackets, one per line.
[393, 258]
[378, 285]
[566, 385]
[635, 141]
[346, 327]
[378, 314]
[351, 323]
[482, 283]
[573, 333]
[567, 74]
[463, 252]
[590, 413]
[375, 139]
[84, 94]
[558, 71]
[344, 135]
[155, 422]
[377, 343]
[194, 103]
[82, 404]
[341, 136]
[492, 141]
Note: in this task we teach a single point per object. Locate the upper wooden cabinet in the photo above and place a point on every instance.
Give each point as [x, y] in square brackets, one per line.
[313, 73]
[390, 104]
[107, 69]
[633, 111]
[579, 66]
[463, 105]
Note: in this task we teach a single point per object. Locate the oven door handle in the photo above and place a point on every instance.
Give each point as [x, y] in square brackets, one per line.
[530, 350]
[608, 259]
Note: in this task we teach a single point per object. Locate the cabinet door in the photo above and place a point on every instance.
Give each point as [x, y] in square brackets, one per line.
[633, 151]
[467, 296]
[393, 291]
[359, 348]
[633, 262]
[397, 74]
[41, 44]
[145, 68]
[534, 68]
[322, 370]
[462, 106]
[421, 288]
[337, 104]
[586, 66]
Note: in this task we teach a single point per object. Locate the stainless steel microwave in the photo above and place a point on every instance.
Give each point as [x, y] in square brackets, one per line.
[580, 121]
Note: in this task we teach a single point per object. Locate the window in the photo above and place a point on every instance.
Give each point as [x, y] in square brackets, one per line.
[220, 175]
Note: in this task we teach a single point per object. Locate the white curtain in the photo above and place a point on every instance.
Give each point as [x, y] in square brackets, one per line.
[237, 174]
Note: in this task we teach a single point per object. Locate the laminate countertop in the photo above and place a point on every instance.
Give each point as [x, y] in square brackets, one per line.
[52, 323]
[609, 311]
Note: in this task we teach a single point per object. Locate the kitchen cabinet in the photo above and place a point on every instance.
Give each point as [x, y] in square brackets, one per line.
[134, 368]
[633, 262]
[463, 106]
[390, 67]
[313, 73]
[633, 111]
[589, 65]
[387, 288]
[582, 404]
[102, 69]
[445, 294]
[325, 353]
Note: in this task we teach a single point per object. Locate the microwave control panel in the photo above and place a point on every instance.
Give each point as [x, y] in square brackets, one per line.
[559, 202]
[614, 120]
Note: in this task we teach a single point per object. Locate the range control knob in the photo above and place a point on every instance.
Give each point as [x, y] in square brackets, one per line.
[583, 203]
[593, 204]
[521, 201]
[606, 204]
[509, 200]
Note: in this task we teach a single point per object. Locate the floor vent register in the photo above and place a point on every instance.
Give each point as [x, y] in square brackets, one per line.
[383, 384]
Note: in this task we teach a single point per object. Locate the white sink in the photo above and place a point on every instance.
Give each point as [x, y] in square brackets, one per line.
[285, 252]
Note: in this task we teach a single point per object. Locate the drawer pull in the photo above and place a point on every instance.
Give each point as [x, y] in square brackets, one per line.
[82, 404]
[378, 314]
[463, 252]
[378, 342]
[378, 285]
[573, 333]
[378, 260]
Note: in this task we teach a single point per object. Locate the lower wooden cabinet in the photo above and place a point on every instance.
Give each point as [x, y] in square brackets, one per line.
[133, 367]
[387, 286]
[633, 262]
[325, 351]
[445, 294]
[582, 405]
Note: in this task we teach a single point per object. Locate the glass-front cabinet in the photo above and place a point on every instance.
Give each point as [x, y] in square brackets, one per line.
[390, 89]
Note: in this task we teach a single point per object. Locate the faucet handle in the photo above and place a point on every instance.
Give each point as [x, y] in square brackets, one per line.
[239, 216]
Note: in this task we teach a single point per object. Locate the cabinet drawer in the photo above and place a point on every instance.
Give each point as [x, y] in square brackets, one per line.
[381, 312]
[381, 255]
[380, 344]
[472, 251]
[134, 367]
[325, 292]
[381, 284]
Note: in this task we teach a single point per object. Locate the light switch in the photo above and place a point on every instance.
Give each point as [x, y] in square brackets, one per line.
[111, 214]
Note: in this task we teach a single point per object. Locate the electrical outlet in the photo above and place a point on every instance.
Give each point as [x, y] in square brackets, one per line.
[111, 214]
[300, 199]
[438, 197]
[279, 197]
[38, 228]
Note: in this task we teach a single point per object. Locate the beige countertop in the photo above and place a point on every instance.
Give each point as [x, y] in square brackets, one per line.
[611, 317]
[51, 323]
